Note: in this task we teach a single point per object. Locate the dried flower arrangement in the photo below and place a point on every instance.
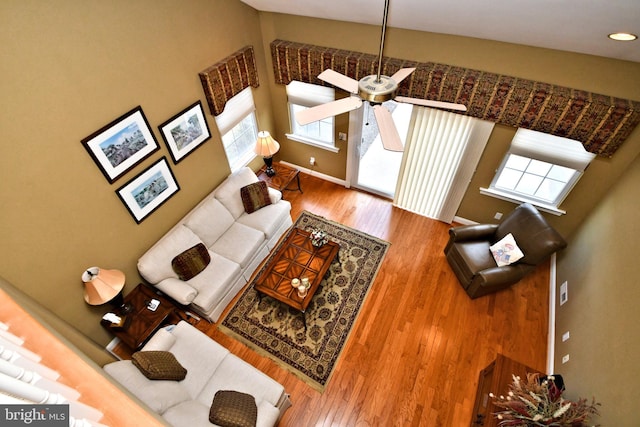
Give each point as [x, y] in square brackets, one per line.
[318, 238]
[538, 401]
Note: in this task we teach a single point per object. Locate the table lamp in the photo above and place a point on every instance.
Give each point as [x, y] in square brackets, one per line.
[103, 286]
[266, 147]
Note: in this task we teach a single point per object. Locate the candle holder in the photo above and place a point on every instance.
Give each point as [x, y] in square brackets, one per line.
[302, 291]
[295, 283]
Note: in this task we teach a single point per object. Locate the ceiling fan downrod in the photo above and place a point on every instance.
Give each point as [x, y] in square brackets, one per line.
[382, 36]
[378, 88]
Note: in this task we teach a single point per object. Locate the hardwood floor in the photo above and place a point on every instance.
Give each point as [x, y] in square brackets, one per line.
[419, 343]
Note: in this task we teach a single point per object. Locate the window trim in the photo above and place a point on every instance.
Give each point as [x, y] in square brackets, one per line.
[309, 95]
[237, 109]
[313, 142]
[547, 148]
[515, 199]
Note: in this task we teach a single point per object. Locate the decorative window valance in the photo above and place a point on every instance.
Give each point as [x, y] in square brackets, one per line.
[600, 122]
[225, 79]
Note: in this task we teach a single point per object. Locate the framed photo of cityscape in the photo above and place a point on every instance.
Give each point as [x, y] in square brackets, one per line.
[185, 131]
[149, 190]
[122, 144]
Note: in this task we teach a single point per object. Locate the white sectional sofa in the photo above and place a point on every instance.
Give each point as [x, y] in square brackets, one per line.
[210, 368]
[237, 243]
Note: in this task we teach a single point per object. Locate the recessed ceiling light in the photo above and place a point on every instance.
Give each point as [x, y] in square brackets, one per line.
[623, 37]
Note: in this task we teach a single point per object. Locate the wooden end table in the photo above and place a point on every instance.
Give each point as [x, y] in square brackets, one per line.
[495, 378]
[142, 322]
[295, 258]
[282, 179]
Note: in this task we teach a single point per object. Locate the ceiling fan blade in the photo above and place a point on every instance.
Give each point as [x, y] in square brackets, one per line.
[329, 109]
[339, 80]
[402, 74]
[388, 132]
[430, 103]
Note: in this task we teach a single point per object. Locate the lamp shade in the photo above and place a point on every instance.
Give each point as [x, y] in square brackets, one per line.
[101, 286]
[266, 146]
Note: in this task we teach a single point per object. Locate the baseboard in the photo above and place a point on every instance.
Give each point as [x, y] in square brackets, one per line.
[318, 174]
[551, 339]
[463, 221]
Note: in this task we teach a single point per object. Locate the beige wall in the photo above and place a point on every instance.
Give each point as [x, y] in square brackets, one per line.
[600, 75]
[68, 68]
[601, 314]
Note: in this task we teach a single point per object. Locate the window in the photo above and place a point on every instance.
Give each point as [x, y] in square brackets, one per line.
[305, 95]
[540, 169]
[238, 129]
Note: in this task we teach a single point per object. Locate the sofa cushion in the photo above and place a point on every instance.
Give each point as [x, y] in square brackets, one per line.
[158, 365]
[239, 244]
[255, 196]
[214, 282]
[234, 373]
[267, 219]
[200, 355]
[209, 220]
[155, 264]
[158, 395]
[233, 409]
[506, 251]
[189, 413]
[191, 262]
[228, 193]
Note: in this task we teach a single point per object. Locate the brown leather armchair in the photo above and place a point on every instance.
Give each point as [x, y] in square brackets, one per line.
[473, 263]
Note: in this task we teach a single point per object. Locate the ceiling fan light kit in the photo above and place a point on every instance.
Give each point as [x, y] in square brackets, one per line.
[376, 89]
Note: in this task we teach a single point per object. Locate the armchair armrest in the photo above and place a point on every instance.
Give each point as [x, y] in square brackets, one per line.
[506, 275]
[177, 289]
[497, 278]
[472, 232]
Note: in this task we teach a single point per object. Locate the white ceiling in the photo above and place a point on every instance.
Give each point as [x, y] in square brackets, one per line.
[572, 25]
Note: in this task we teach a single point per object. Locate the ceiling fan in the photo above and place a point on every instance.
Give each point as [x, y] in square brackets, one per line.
[376, 89]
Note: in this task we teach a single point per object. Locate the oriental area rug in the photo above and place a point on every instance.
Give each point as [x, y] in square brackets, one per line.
[277, 331]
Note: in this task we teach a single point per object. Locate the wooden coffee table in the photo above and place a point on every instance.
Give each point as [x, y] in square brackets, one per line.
[296, 257]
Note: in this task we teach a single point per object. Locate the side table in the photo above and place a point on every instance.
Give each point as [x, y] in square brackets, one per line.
[495, 378]
[283, 177]
[141, 322]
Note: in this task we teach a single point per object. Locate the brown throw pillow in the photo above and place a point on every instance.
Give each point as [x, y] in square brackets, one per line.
[191, 262]
[158, 365]
[233, 409]
[255, 196]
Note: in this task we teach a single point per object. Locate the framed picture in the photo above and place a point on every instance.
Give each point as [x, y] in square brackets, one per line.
[121, 144]
[149, 190]
[185, 131]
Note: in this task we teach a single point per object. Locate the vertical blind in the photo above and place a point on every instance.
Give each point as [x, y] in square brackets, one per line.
[442, 152]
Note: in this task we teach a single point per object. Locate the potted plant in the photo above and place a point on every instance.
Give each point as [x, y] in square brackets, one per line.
[538, 401]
